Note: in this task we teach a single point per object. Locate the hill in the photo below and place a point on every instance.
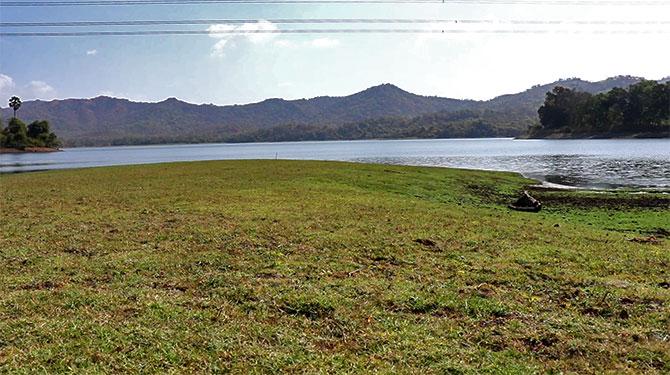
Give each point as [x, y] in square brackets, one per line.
[393, 111]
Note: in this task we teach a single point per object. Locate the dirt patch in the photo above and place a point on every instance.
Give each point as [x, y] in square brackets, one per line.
[42, 285]
[538, 343]
[605, 201]
[648, 240]
[427, 242]
[79, 251]
[309, 309]
[169, 286]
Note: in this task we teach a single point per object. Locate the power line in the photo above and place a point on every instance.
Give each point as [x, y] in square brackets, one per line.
[324, 21]
[31, 3]
[202, 2]
[318, 31]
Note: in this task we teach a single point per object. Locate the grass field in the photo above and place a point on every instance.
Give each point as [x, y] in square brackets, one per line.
[323, 267]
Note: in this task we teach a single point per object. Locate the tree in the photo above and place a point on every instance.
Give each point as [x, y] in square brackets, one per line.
[556, 111]
[618, 103]
[15, 134]
[642, 108]
[36, 129]
[15, 103]
[3, 136]
[40, 135]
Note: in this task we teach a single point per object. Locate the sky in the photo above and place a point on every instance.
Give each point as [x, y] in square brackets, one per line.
[225, 69]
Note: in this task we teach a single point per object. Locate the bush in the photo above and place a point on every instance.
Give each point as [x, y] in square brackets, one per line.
[15, 134]
[37, 134]
[41, 136]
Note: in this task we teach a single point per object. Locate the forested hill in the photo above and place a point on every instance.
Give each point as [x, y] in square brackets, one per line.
[378, 112]
[531, 99]
[105, 120]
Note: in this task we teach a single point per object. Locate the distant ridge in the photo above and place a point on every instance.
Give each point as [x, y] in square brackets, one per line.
[106, 121]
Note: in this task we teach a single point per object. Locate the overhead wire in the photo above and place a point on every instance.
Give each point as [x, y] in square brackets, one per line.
[53, 3]
[325, 21]
[320, 31]
[334, 21]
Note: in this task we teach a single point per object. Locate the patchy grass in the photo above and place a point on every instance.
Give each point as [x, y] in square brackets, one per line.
[268, 266]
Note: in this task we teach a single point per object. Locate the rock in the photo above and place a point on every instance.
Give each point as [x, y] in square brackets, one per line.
[526, 203]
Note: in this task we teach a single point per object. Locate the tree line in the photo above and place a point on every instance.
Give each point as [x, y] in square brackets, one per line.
[444, 124]
[19, 136]
[642, 109]
[460, 124]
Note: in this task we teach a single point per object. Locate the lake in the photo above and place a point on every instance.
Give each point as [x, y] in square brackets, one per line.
[579, 163]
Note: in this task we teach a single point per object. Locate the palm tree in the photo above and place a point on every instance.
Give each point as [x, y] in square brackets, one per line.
[15, 103]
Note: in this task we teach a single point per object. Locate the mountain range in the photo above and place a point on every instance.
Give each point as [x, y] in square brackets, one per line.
[383, 111]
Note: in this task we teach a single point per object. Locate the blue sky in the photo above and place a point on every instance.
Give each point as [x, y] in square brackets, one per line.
[243, 69]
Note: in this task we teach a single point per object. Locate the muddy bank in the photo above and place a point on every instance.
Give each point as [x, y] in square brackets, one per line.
[555, 197]
[27, 150]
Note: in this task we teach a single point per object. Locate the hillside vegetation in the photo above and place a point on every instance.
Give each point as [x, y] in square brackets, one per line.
[384, 111]
[295, 266]
[460, 124]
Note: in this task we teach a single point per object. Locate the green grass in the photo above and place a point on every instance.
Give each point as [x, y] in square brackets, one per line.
[315, 267]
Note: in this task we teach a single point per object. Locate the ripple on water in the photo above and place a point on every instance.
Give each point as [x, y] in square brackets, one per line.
[570, 170]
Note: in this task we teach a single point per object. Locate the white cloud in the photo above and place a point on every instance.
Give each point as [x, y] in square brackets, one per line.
[228, 35]
[6, 83]
[7, 89]
[264, 26]
[219, 32]
[218, 48]
[91, 52]
[33, 90]
[325, 43]
[41, 90]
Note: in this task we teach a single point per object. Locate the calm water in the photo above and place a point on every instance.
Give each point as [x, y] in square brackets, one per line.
[583, 163]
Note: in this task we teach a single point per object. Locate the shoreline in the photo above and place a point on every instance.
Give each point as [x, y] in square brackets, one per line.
[570, 136]
[538, 185]
[560, 136]
[28, 150]
[550, 186]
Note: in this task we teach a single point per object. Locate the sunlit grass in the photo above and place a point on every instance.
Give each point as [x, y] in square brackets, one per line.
[268, 266]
